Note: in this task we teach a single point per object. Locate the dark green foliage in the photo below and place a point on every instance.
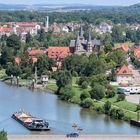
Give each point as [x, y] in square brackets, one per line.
[84, 85]
[121, 97]
[66, 93]
[13, 70]
[3, 135]
[97, 92]
[63, 78]
[138, 107]
[117, 113]
[84, 95]
[87, 103]
[13, 41]
[110, 92]
[107, 107]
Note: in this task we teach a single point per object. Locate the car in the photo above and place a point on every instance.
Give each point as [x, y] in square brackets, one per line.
[72, 135]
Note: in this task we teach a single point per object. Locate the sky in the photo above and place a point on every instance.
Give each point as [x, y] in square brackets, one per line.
[93, 2]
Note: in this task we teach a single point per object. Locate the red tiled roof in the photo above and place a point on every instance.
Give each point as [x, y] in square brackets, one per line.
[124, 70]
[27, 24]
[35, 52]
[34, 60]
[58, 52]
[137, 52]
[17, 60]
[123, 46]
[5, 29]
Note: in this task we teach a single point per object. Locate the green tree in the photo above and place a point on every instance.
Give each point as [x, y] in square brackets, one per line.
[97, 92]
[84, 95]
[13, 70]
[3, 135]
[63, 78]
[13, 41]
[107, 107]
[87, 103]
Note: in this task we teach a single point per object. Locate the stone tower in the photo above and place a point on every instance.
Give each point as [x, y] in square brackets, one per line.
[89, 43]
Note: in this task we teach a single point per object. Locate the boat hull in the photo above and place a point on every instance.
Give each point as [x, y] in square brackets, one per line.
[27, 126]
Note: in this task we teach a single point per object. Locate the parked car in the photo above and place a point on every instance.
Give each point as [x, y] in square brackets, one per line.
[72, 135]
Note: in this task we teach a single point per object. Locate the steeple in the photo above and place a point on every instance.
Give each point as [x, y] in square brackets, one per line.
[81, 33]
[77, 43]
[89, 43]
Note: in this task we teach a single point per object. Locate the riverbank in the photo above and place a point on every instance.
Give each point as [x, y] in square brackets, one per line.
[82, 137]
[129, 109]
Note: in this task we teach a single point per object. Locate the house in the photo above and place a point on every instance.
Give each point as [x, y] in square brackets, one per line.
[137, 53]
[5, 31]
[105, 28]
[81, 45]
[44, 79]
[123, 46]
[124, 76]
[34, 52]
[58, 52]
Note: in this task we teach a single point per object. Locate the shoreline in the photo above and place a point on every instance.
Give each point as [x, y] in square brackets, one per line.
[81, 137]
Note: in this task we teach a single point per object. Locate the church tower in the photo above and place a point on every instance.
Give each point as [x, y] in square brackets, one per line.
[89, 43]
[77, 44]
[81, 33]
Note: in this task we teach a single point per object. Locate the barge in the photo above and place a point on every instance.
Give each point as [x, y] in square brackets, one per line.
[30, 122]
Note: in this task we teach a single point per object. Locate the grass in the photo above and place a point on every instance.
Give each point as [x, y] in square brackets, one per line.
[122, 104]
[51, 87]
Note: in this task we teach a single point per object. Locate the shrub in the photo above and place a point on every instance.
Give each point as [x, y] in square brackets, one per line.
[107, 107]
[84, 85]
[84, 95]
[116, 113]
[82, 79]
[87, 103]
[97, 92]
[3, 135]
[110, 92]
[138, 107]
[121, 97]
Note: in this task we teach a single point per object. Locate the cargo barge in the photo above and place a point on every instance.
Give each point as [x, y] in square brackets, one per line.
[30, 122]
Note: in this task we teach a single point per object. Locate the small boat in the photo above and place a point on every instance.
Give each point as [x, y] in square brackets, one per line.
[30, 122]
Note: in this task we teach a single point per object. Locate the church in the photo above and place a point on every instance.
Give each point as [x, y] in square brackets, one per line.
[81, 45]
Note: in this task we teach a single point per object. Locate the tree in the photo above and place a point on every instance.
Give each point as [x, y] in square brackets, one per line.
[84, 95]
[97, 92]
[116, 113]
[107, 107]
[3, 135]
[63, 78]
[121, 97]
[29, 38]
[87, 103]
[13, 41]
[110, 92]
[108, 48]
[13, 70]
[66, 93]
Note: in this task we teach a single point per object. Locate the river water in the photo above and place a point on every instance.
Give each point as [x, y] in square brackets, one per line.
[60, 115]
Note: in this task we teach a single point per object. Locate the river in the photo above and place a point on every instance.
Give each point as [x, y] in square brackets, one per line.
[61, 115]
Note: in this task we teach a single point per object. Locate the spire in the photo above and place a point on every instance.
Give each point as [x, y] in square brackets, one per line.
[81, 32]
[89, 37]
[77, 40]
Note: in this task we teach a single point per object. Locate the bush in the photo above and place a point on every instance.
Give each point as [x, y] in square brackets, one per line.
[87, 103]
[84, 95]
[75, 100]
[84, 85]
[3, 135]
[97, 92]
[66, 93]
[110, 92]
[116, 113]
[107, 107]
[138, 107]
[121, 97]
[82, 79]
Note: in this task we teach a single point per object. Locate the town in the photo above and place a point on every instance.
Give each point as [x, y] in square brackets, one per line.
[94, 64]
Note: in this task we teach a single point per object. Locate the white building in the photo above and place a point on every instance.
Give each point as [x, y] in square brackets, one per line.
[124, 76]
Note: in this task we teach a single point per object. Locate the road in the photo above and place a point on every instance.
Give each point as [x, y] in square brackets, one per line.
[84, 137]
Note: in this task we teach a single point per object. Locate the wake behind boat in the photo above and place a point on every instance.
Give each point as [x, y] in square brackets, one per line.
[30, 122]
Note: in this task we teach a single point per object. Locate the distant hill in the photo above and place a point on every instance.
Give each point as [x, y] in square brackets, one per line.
[71, 7]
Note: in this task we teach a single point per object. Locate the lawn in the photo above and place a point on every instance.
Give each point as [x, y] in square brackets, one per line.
[122, 104]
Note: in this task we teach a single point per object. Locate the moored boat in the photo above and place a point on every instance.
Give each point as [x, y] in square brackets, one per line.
[30, 122]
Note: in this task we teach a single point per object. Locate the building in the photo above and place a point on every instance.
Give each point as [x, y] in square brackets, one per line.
[81, 45]
[44, 79]
[57, 53]
[105, 28]
[123, 46]
[124, 76]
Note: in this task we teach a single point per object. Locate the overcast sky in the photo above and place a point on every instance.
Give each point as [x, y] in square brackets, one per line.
[93, 2]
